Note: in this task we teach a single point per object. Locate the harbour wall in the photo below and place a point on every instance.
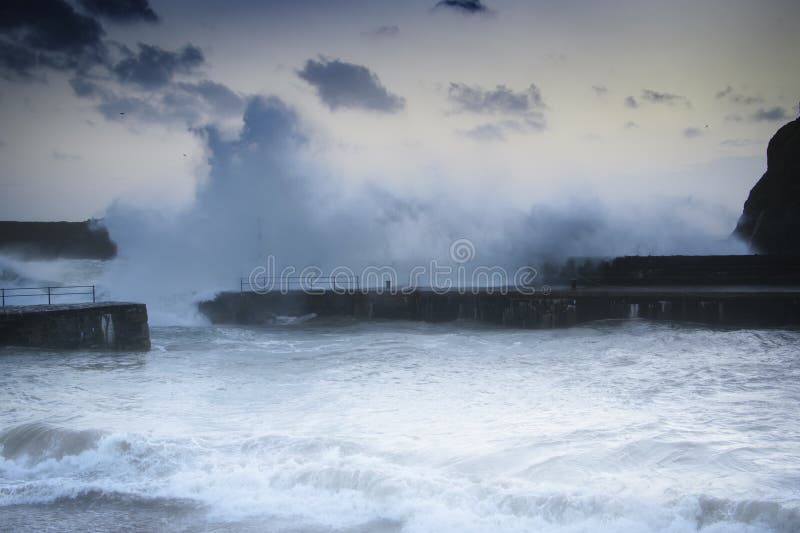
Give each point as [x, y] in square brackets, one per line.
[107, 325]
[721, 306]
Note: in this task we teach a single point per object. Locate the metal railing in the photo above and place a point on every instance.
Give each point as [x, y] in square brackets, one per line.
[299, 283]
[51, 293]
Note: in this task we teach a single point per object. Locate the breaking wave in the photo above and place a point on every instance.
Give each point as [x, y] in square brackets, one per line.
[332, 484]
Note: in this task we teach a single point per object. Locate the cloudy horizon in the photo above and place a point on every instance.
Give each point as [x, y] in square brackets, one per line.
[502, 105]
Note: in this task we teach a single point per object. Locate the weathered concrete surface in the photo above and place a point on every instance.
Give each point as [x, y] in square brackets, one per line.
[107, 325]
[722, 306]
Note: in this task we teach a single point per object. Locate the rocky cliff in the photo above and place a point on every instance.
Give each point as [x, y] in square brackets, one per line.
[770, 222]
[48, 240]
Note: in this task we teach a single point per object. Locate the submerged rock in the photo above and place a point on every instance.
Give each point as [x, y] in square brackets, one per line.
[770, 222]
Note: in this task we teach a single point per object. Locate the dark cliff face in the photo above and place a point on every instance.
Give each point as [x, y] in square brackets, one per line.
[770, 222]
[50, 240]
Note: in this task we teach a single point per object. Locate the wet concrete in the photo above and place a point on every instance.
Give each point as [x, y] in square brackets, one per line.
[106, 325]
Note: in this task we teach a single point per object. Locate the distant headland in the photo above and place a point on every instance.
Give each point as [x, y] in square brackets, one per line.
[770, 221]
[53, 240]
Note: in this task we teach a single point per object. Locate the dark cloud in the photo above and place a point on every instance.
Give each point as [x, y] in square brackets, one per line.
[525, 106]
[194, 104]
[498, 131]
[115, 106]
[733, 118]
[773, 114]
[84, 87]
[631, 102]
[692, 133]
[630, 125]
[600, 90]
[219, 96]
[48, 25]
[465, 6]
[153, 67]
[499, 100]
[385, 31]
[737, 98]
[664, 98]
[16, 59]
[121, 10]
[165, 100]
[346, 85]
[46, 33]
[159, 108]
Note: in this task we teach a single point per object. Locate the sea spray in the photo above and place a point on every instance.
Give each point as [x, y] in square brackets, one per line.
[267, 195]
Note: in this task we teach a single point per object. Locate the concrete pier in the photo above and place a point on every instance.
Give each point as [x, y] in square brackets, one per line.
[561, 307]
[107, 325]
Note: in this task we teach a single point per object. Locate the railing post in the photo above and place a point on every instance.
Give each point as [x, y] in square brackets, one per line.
[93, 295]
[48, 295]
[4, 297]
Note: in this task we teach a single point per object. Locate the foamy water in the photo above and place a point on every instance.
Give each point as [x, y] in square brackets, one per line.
[619, 426]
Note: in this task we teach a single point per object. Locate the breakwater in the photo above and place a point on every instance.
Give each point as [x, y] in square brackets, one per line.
[560, 307]
[107, 325]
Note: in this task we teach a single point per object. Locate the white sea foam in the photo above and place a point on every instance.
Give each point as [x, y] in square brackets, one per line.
[401, 427]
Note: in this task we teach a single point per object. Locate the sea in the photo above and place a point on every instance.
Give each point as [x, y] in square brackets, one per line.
[312, 425]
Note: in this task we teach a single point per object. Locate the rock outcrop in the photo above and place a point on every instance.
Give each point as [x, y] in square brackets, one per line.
[770, 222]
[50, 240]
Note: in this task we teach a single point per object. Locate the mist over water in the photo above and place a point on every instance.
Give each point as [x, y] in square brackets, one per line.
[341, 426]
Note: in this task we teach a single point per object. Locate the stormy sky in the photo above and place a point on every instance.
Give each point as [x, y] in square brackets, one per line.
[510, 103]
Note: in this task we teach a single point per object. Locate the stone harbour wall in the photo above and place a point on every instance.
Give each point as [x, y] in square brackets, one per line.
[107, 325]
